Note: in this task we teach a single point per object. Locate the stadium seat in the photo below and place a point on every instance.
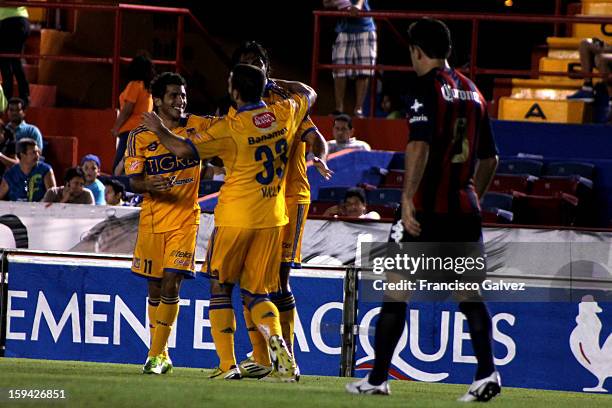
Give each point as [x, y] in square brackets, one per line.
[384, 196]
[317, 208]
[209, 187]
[541, 210]
[507, 183]
[333, 194]
[493, 201]
[393, 179]
[497, 216]
[520, 166]
[554, 185]
[586, 170]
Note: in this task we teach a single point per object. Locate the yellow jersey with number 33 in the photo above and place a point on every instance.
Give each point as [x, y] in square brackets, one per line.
[254, 143]
[146, 156]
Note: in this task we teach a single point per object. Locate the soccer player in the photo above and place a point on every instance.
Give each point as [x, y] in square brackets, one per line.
[254, 142]
[297, 196]
[450, 160]
[169, 218]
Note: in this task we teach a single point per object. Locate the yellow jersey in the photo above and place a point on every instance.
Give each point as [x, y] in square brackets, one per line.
[254, 143]
[298, 188]
[146, 156]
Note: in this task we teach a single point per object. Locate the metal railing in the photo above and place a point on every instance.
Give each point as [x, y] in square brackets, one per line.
[116, 59]
[474, 18]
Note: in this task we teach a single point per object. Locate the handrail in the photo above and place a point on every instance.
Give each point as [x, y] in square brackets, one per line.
[474, 18]
[116, 59]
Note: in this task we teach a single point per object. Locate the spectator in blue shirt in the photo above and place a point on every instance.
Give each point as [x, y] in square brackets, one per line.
[30, 179]
[90, 163]
[21, 129]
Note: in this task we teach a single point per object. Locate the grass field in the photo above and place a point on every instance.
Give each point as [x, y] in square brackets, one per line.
[122, 385]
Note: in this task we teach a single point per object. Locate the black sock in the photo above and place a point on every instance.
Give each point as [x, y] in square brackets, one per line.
[389, 329]
[479, 322]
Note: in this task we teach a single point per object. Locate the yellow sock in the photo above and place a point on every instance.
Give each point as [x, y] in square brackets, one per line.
[285, 303]
[166, 315]
[265, 316]
[260, 347]
[152, 305]
[223, 327]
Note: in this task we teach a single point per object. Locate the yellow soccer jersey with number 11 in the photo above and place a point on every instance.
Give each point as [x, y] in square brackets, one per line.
[146, 156]
[254, 143]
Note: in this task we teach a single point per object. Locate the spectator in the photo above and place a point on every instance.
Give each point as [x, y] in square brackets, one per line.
[7, 149]
[354, 205]
[114, 192]
[355, 44]
[29, 180]
[90, 164]
[3, 101]
[343, 134]
[391, 106]
[17, 123]
[14, 30]
[72, 192]
[134, 101]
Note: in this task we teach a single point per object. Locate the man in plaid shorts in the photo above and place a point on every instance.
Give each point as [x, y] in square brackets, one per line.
[355, 44]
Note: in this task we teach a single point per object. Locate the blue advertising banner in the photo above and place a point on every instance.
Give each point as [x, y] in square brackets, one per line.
[97, 311]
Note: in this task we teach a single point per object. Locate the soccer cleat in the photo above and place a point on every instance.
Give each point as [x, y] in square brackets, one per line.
[249, 368]
[363, 386]
[483, 390]
[283, 366]
[583, 94]
[153, 365]
[232, 374]
[167, 366]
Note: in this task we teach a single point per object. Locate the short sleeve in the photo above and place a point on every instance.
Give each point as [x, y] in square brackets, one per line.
[486, 142]
[306, 127]
[134, 154]
[213, 141]
[421, 115]
[303, 106]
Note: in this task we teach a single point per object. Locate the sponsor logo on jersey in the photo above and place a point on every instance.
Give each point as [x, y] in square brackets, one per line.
[268, 136]
[451, 94]
[168, 163]
[264, 120]
[420, 118]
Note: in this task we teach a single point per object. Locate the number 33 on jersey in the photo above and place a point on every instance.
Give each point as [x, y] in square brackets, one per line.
[254, 142]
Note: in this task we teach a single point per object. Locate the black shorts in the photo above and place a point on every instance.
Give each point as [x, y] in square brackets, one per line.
[440, 228]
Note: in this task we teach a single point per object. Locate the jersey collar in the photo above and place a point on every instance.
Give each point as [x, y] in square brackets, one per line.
[252, 106]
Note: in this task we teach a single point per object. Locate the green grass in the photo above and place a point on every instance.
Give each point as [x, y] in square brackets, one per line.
[122, 385]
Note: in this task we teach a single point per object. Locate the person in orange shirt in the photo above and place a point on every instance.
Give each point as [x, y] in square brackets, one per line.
[133, 101]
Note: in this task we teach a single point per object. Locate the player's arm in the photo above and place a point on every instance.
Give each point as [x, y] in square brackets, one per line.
[417, 154]
[318, 147]
[152, 184]
[487, 158]
[177, 145]
[49, 179]
[297, 88]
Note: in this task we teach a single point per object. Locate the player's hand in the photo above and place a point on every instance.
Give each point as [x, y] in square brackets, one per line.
[322, 168]
[152, 122]
[158, 184]
[411, 225]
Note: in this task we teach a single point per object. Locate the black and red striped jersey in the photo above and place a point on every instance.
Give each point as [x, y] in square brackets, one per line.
[447, 111]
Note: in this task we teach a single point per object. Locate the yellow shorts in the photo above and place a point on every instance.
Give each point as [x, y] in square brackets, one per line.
[246, 256]
[292, 234]
[172, 251]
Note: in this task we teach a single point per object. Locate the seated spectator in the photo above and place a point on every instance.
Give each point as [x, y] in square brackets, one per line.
[72, 192]
[7, 149]
[17, 123]
[354, 205]
[391, 106]
[114, 192]
[343, 134]
[30, 179]
[90, 163]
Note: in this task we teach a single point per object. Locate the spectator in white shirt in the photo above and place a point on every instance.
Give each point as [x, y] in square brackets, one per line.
[343, 134]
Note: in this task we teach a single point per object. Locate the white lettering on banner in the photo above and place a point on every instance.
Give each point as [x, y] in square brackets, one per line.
[315, 328]
[71, 311]
[459, 337]
[175, 326]
[503, 338]
[91, 318]
[199, 323]
[122, 310]
[414, 337]
[300, 336]
[10, 313]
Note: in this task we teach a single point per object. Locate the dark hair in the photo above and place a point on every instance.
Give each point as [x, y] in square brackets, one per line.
[432, 36]
[73, 172]
[141, 69]
[116, 185]
[160, 82]
[16, 100]
[355, 192]
[343, 117]
[249, 81]
[22, 145]
[255, 48]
